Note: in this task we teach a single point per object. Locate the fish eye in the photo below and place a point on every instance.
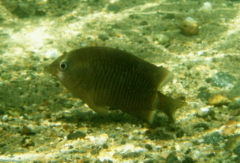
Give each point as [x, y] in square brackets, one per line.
[63, 65]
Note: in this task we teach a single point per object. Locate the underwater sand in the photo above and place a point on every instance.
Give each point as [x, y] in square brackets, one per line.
[40, 121]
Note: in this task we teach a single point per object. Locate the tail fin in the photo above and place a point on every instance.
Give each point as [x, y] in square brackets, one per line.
[168, 105]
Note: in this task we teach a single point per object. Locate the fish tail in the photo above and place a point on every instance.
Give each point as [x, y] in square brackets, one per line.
[168, 105]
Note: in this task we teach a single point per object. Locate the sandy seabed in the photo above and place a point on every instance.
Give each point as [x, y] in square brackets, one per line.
[40, 121]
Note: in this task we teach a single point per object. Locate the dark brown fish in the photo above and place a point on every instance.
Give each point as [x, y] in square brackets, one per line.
[106, 77]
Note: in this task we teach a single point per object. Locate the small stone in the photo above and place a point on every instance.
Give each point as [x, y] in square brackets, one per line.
[213, 139]
[150, 161]
[232, 142]
[234, 105]
[236, 150]
[6, 118]
[159, 134]
[27, 131]
[27, 142]
[95, 150]
[206, 8]
[144, 22]
[161, 39]
[105, 145]
[78, 134]
[169, 16]
[189, 26]
[131, 154]
[113, 8]
[204, 112]
[103, 37]
[2, 144]
[53, 54]
[172, 158]
[222, 79]
[201, 125]
[148, 146]
[180, 134]
[218, 100]
[188, 160]
[234, 92]
[133, 16]
[204, 94]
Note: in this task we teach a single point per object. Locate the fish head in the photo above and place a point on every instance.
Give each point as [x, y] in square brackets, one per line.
[60, 67]
[69, 69]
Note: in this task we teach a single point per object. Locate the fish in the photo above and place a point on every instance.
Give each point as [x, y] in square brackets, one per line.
[106, 78]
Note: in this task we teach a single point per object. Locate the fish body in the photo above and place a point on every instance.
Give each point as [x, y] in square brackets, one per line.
[110, 78]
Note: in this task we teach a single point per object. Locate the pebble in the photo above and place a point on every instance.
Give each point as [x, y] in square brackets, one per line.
[6, 118]
[180, 134]
[172, 158]
[206, 8]
[143, 23]
[234, 105]
[27, 142]
[204, 126]
[189, 27]
[236, 150]
[218, 100]
[113, 8]
[148, 146]
[204, 112]
[161, 39]
[188, 159]
[53, 54]
[131, 154]
[103, 37]
[222, 79]
[214, 138]
[27, 130]
[235, 91]
[76, 135]
[204, 94]
[232, 143]
[159, 135]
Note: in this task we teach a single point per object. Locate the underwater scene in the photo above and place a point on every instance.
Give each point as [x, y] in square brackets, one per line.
[120, 81]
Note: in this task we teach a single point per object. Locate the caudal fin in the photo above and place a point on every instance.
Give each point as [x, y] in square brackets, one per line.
[168, 105]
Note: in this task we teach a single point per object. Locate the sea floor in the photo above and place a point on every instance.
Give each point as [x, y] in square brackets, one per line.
[40, 121]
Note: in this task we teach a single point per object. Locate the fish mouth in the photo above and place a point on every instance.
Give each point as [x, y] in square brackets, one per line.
[51, 70]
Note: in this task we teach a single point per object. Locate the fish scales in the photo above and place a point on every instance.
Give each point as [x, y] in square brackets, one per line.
[106, 77]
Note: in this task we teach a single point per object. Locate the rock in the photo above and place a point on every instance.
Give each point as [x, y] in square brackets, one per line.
[188, 160]
[234, 105]
[78, 134]
[204, 112]
[161, 39]
[131, 155]
[218, 100]
[234, 92]
[180, 134]
[213, 139]
[201, 125]
[148, 146]
[206, 8]
[27, 130]
[233, 143]
[189, 27]
[236, 150]
[27, 142]
[204, 93]
[222, 79]
[113, 8]
[159, 134]
[172, 158]
[103, 37]
[143, 23]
